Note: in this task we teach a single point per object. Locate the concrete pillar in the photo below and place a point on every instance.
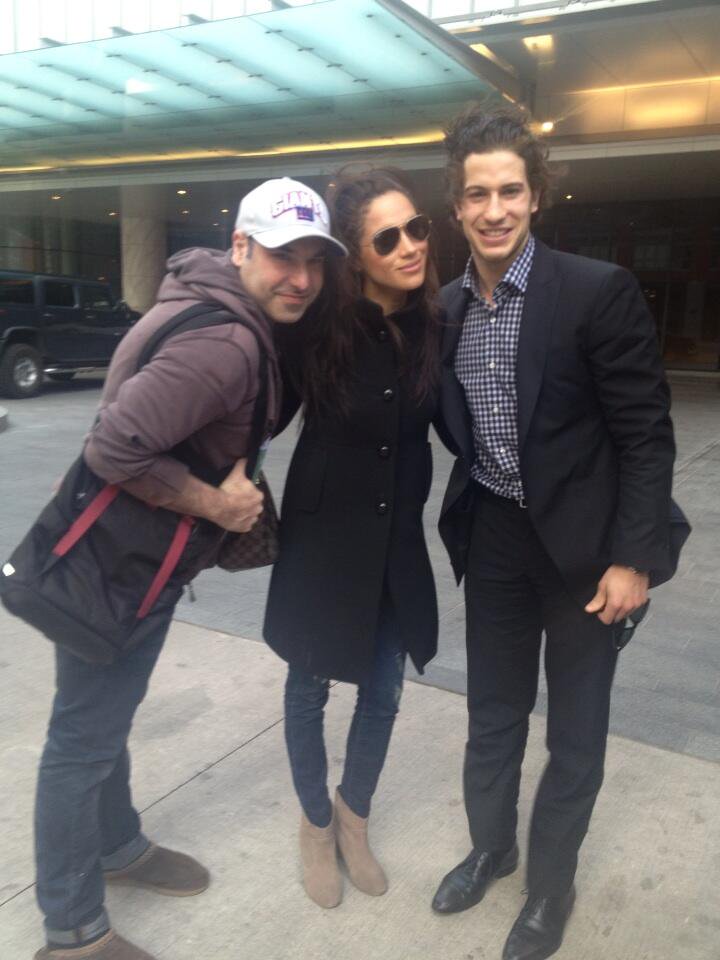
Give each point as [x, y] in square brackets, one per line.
[143, 245]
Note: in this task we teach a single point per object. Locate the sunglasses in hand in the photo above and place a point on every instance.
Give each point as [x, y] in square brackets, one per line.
[624, 629]
[416, 228]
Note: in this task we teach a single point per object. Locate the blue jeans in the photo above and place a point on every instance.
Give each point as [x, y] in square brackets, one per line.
[376, 707]
[84, 818]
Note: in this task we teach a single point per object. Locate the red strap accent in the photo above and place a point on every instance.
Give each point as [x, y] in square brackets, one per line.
[179, 541]
[86, 519]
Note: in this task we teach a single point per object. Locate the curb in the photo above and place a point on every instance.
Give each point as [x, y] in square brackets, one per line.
[3, 419]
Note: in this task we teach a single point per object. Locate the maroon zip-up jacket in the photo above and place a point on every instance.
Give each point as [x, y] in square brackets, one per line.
[200, 386]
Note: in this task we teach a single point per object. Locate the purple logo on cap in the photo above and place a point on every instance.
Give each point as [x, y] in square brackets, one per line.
[305, 205]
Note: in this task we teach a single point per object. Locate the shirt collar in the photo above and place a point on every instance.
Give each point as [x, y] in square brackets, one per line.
[515, 276]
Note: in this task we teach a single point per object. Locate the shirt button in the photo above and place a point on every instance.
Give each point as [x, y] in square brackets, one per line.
[492, 364]
[502, 449]
[381, 508]
[388, 394]
[493, 319]
[496, 409]
[382, 335]
[384, 451]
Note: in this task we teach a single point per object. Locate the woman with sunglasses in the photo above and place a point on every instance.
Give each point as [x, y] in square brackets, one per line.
[353, 593]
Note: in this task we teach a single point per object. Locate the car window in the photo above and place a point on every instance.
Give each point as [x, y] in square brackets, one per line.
[95, 297]
[16, 290]
[59, 294]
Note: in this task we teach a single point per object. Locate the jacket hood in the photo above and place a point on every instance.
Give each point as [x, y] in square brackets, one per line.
[210, 276]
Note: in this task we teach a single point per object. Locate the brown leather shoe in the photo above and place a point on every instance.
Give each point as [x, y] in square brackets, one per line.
[164, 871]
[109, 947]
[352, 838]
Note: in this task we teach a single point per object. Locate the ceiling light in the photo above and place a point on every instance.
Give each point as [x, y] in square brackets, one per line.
[540, 44]
[112, 213]
[547, 126]
[184, 211]
[216, 224]
[32, 169]
[135, 85]
[181, 193]
[423, 137]
[568, 196]
[56, 196]
[224, 210]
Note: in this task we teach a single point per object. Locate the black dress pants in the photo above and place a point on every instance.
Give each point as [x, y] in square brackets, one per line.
[513, 593]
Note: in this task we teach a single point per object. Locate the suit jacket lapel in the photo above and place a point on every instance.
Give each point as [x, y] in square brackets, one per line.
[454, 408]
[537, 319]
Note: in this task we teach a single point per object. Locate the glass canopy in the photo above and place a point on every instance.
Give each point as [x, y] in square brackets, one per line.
[322, 76]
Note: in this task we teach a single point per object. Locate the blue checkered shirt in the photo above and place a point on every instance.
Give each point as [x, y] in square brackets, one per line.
[485, 365]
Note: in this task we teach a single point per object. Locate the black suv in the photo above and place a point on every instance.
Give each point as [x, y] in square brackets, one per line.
[55, 326]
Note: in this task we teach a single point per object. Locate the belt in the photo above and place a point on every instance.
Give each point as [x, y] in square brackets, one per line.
[484, 491]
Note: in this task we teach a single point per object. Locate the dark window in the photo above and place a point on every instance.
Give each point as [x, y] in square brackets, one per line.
[95, 297]
[15, 290]
[653, 250]
[59, 294]
[715, 249]
[711, 315]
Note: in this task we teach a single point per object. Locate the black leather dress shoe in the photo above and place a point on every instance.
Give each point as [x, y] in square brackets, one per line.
[538, 931]
[466, 884]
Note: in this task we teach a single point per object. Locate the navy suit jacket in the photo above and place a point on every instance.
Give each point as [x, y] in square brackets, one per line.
[595, 437]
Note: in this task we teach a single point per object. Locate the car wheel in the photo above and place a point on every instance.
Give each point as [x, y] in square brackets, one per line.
[21, 372]
[62, 376]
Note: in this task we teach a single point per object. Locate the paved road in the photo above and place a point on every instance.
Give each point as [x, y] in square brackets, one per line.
[667, 691]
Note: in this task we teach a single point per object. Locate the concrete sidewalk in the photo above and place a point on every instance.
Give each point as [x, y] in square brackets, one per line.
[211, 775]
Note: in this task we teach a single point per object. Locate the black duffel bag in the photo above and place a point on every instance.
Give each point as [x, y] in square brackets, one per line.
[97, 560]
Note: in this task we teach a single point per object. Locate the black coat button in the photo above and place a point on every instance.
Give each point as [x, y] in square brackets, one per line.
[384, 451]
[381, 508]
[388, 394]
[382, 335]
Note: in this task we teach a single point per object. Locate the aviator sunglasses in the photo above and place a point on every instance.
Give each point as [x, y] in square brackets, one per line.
[417, 228]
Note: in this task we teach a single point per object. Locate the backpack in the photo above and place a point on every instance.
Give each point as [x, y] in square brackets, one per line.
[97, 560]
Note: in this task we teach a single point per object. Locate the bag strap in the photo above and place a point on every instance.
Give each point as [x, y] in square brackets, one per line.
[170, 561]
[196, 317]
[97, 506]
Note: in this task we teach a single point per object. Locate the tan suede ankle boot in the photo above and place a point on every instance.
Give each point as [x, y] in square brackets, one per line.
[318, 852]
[364, 870]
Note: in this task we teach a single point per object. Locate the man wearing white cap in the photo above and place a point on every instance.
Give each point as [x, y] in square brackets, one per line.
[279, 244]
[195, 394]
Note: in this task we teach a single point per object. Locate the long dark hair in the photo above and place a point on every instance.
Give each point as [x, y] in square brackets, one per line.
[330, 335]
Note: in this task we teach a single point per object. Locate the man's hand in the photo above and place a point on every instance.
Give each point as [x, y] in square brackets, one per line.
[241, 502]
[235, 505]
[618, 593]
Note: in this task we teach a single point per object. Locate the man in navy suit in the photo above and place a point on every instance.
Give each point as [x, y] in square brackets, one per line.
[557, 510]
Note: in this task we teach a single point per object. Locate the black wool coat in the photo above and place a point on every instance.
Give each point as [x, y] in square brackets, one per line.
[351, 522]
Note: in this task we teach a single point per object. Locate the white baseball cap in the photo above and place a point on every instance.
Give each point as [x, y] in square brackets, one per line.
[280, 211]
